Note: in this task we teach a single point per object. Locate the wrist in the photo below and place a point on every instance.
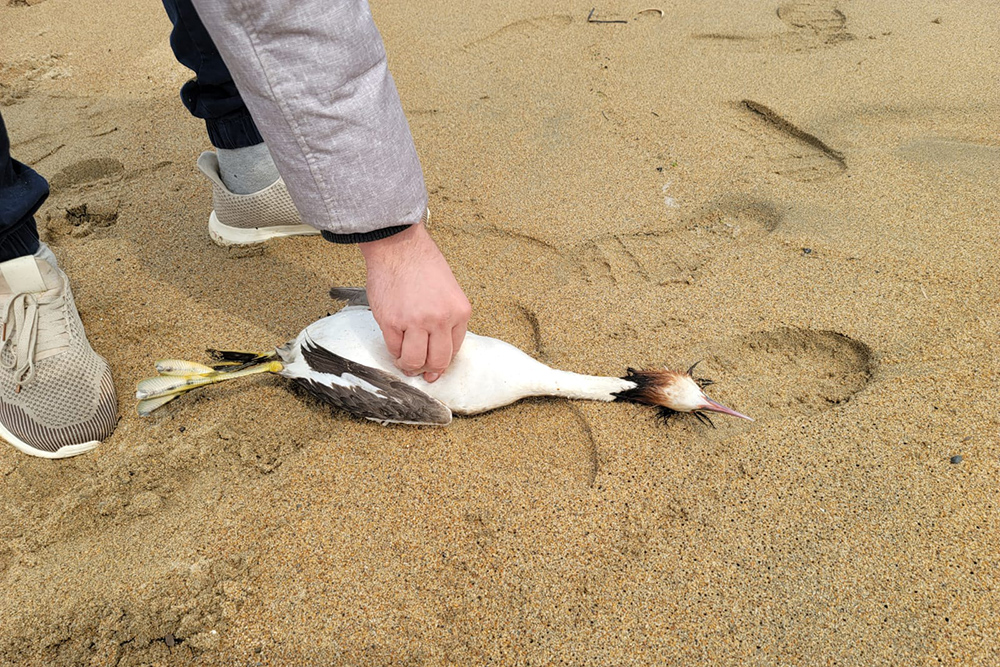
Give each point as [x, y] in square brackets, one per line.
[405, 243]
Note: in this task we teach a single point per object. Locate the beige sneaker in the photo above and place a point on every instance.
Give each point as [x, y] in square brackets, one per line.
[248, 219]
[56, 395]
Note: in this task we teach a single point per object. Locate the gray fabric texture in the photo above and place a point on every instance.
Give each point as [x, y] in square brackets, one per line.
[313, 74]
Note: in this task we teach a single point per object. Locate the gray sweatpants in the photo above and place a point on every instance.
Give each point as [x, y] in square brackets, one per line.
[313, 74]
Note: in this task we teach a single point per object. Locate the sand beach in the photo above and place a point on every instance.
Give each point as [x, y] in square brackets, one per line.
[802, 195]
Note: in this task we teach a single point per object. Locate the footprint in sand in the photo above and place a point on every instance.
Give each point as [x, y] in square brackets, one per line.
[523, 33]
[792, 372]
[12, 91]
[510, 253]
[676, 256]
[812, 25]
[944, 157]
[650, 256]
[822, 20]
[80, 221]
[84, 172]
[786, 149]
[14, 86]
[655, 255]
[19, 77]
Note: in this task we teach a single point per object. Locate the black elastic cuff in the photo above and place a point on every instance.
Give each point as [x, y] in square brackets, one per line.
[237, 130]
[363, 237]
[19, 239]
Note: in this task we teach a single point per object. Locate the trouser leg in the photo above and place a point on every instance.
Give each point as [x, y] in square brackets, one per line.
[22, 191]
[211, 95]
[314, 74]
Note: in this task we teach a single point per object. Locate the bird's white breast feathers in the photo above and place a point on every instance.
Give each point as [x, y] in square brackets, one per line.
[485, 374]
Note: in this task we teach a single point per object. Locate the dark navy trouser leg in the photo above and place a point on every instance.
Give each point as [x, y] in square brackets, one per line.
[22, 191]
[211, 95]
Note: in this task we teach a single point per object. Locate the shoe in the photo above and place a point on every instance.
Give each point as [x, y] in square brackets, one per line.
[249, 219]
[56, 395]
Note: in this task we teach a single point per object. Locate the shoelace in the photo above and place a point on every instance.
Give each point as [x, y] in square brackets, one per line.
[32, 312]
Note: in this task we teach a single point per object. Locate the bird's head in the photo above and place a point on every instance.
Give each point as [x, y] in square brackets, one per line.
[673, 392]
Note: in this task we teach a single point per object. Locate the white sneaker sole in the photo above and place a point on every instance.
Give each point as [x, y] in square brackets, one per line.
[63, 453]
[225, 235]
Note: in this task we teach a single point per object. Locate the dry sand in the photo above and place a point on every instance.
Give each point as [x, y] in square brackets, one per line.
[804, 196]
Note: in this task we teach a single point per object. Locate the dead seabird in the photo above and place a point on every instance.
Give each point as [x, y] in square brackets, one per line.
[342, 359]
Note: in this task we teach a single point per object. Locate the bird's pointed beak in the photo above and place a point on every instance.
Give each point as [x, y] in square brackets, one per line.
[714, 406]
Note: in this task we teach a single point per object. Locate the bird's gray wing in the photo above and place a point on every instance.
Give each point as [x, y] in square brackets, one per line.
[354, 296]
[394, 401]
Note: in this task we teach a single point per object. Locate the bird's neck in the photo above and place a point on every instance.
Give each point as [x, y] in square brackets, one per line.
[588, 387]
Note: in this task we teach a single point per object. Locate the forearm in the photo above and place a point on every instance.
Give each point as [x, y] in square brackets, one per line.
[313, 75]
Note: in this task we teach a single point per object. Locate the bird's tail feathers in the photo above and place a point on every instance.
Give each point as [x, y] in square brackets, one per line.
[227, 358]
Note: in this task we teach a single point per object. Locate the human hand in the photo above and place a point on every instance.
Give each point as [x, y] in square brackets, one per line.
[416, 301]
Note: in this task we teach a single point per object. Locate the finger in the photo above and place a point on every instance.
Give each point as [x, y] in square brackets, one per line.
[438, 354]
[457, 338]
[414, 351]
[393, 341]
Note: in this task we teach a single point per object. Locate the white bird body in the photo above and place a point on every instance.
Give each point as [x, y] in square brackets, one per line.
[487, 373]
[342, 359]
